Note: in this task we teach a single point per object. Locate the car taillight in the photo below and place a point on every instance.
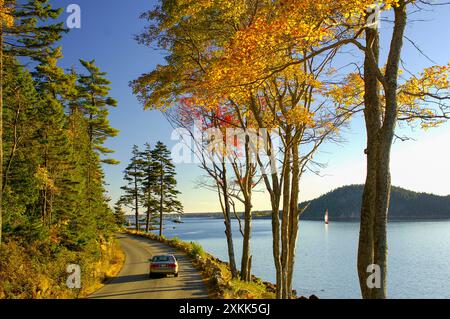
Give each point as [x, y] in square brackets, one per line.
[154, 266]
[172, 265]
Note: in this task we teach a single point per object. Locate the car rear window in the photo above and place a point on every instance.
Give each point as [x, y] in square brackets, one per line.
[163, 259]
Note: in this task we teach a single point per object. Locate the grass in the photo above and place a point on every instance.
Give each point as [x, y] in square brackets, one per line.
[196, 250]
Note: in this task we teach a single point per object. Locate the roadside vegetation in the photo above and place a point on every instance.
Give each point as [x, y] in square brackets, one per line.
[34, 271]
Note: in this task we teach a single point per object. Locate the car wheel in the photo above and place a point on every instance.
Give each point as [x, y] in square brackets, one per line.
[150, 275]
[175, 274]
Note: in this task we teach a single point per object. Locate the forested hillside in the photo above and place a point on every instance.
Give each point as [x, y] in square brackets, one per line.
[55, 122]
[345, 203]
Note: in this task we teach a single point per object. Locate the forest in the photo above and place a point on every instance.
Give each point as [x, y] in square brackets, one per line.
[344, 203]
[54, 209]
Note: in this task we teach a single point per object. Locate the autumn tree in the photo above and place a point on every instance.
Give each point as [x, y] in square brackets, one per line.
[214, 68]
[311, 29]
[212, 150]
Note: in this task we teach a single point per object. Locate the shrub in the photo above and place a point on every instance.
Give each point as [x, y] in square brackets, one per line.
[196, 250]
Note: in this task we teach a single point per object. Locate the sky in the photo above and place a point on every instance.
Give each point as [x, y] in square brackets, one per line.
[106, 35]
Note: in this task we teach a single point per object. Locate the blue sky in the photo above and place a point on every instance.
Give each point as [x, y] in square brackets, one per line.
[106, 35]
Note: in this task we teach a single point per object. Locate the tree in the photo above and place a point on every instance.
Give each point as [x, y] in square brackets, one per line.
[382, 112]
[23, 33]
[208, 62]
[311, 29]
[149, 185]
[21, 157]
[95, 102]
[119, 214]
[166, 183]
[133, 176]
[53, 87]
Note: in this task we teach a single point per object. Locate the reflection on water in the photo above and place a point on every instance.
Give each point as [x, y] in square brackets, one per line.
[419, 255]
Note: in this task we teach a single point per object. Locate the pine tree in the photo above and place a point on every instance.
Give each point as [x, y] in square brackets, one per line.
[133, 176]
[119, 214]
[55, 165]
[166, 183]
[20, 112]
[23, 33]
[149, 185]
[94, 90]
[95, 102]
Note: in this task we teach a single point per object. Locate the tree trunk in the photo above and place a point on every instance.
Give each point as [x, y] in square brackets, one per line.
[147, 224]
[227, 222]
[13, 150]
[285, 221]
[245, 262]
[294, 216]
[374, 214]
[249, 271]
[372, 114]
[136, 201]
[247, 187]
[276, 249]
[161, 200]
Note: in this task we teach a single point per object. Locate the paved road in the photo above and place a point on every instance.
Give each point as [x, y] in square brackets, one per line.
[133, 282]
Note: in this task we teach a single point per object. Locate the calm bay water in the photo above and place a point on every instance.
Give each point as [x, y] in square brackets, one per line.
[419, 255]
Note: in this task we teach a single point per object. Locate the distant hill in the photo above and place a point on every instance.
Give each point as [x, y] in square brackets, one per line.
[345, 203]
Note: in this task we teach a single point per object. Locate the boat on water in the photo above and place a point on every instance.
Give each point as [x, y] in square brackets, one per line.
[326, 217]
[177, 220]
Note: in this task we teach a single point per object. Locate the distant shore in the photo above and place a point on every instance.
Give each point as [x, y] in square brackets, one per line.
[260, 215]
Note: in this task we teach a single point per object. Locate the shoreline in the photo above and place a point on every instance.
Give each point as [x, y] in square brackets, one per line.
[354, 220]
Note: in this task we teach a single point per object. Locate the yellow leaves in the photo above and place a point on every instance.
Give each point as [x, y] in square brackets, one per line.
[421, 97]
[349, 93]
[300, 116]
[6, 17]
[44, 179]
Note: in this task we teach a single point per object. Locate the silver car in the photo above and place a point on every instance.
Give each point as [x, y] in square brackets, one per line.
[163, 265]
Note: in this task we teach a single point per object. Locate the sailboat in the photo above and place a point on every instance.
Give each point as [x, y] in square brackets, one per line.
[177, 220]
[326, 217]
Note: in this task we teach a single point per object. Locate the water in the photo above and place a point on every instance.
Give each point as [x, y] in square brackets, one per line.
[419, 255]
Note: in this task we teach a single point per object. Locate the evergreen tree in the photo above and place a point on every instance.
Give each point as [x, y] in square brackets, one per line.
[133, 176]
[149, 186]
[21, 158]
[53, 170]
[94, 102]
[94, 90]
[119, 214]
[24, 33]
[166, 192]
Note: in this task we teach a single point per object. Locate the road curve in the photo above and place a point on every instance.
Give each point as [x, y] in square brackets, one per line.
[133, 282]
